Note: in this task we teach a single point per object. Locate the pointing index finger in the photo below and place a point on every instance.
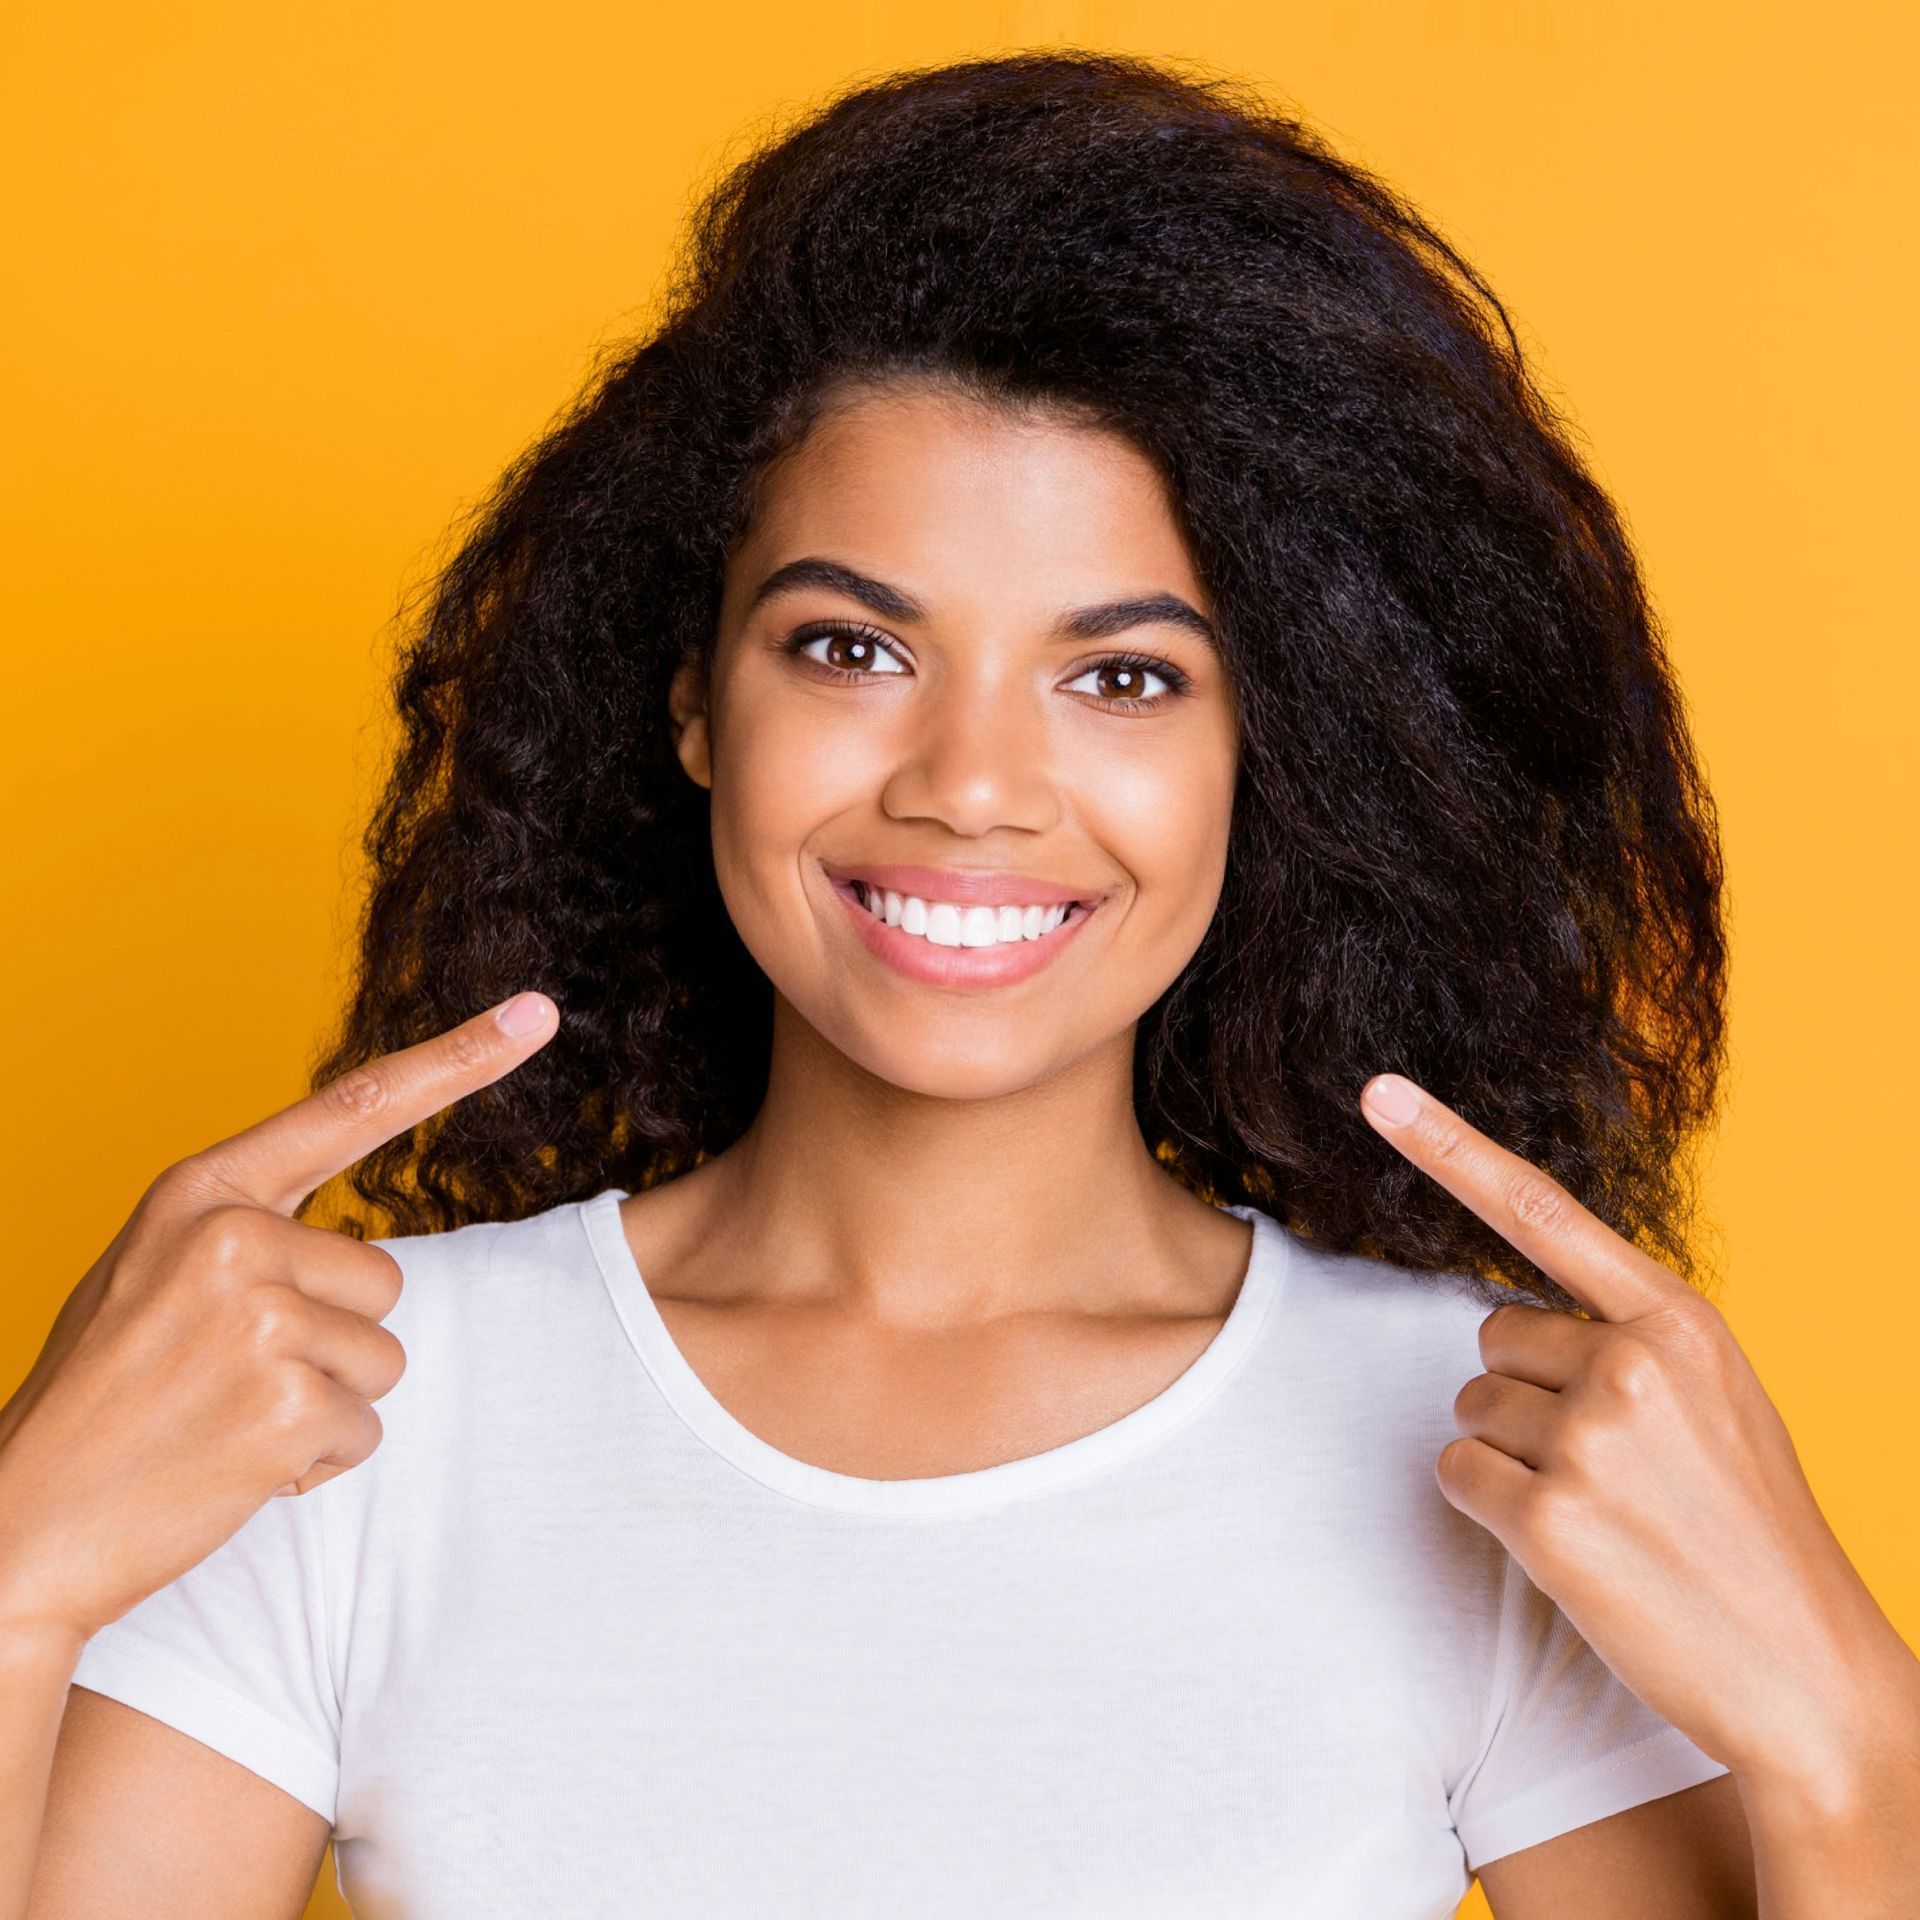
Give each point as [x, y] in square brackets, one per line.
[278, 1161]
[1604, 1271]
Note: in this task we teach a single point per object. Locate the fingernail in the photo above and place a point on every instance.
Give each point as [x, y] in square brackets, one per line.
[525, 1013]
[1395, 1100]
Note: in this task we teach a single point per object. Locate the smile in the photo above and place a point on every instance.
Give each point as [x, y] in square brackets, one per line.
[952, 944]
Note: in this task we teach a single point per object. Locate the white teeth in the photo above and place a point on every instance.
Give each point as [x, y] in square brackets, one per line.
[945, 924]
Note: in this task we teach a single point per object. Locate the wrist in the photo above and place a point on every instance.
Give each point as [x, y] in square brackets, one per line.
[34, 1618]
[1855, 1760]
[35, 1606]
[31, 1644]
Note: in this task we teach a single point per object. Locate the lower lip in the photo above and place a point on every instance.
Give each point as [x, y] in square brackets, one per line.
[994, 966]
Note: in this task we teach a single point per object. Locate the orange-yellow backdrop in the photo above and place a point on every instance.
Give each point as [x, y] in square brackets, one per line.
[290, 286]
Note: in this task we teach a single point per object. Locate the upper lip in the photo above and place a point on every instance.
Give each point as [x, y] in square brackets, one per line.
[964, 886]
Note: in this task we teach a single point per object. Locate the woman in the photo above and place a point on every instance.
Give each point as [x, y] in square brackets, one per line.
[912, 1382]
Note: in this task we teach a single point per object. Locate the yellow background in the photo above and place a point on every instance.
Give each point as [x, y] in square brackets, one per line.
[289, 285]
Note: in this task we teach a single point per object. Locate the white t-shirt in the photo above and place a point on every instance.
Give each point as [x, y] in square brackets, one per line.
[574, 1641]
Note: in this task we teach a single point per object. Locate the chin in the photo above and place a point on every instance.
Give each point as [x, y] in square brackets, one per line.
[954, 1073]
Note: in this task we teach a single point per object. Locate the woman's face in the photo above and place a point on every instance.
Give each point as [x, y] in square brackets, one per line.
[900, 691]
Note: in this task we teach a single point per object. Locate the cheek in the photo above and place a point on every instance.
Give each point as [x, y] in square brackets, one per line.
[779, 775]
[1163, 814]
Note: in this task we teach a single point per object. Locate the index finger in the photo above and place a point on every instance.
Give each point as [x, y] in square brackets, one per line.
[278, 1161]
[1604, 1271]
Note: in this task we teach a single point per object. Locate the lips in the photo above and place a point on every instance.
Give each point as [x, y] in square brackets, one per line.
[962, 968]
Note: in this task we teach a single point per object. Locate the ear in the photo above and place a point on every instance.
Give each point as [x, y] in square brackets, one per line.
[687, 704]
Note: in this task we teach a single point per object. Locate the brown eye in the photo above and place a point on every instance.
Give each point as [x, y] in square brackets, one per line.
[847, 650]
[1126, 682]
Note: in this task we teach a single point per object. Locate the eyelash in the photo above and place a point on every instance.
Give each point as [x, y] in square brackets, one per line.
[1178, 683]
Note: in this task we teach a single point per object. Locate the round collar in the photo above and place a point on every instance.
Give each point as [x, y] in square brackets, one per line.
[979, 1487]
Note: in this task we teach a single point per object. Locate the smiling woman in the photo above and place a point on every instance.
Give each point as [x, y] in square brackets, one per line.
[1487, 861]
[1074, 648]
[990, 737]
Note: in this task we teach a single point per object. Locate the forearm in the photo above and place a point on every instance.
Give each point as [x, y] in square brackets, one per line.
[1837, 1830]
[36, 1670]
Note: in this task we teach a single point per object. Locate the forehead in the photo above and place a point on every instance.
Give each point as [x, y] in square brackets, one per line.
[961, 498]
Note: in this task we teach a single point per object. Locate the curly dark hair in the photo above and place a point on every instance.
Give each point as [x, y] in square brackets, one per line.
[1470, 839]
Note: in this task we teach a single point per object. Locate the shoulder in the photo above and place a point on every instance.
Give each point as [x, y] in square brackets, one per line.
[508, 1333]
[486, 1313]
[489, 1274]
[1351, 1394]
[1370, 1355]
[1400, 1317]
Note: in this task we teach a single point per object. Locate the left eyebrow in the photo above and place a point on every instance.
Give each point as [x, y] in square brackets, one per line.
[894, 603]
[1116, 616]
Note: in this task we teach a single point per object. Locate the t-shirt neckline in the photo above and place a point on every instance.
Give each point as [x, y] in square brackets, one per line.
[802, 1480]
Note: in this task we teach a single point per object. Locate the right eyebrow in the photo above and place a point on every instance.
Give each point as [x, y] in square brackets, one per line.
[891, 603]
[895, 603]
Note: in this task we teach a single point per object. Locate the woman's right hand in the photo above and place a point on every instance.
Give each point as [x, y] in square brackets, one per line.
[219, 1351]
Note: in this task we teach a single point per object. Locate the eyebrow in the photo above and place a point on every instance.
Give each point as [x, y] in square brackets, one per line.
[893, 603]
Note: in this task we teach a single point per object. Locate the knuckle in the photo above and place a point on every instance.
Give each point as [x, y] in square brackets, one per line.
[178, 1195]
[1473, 1399]
[1535, 1201]
[357, 1432]
[299, 1401]
[386, 1281]
[395, 1357]
[1700, 1343]
[1696, 1316]
[358, 1094]
[1579, 1448]
[175, 1186]
[1501, 1318]
[275, 1320]
[369, 1431]
[1503, 1323]
[230, 1240]
[1629, 1371]
[468, 1046]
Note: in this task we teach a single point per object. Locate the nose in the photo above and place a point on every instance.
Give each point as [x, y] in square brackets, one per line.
[975, 755]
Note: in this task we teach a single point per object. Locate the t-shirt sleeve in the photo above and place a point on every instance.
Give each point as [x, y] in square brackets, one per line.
[1567, 1741]
[234, 1653]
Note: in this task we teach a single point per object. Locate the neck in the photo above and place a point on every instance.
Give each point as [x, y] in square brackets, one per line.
[926, 1210]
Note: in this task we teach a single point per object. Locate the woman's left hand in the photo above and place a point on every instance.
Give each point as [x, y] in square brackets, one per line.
[1635, 1467]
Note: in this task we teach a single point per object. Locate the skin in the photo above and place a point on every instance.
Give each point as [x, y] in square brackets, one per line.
[1014, 1107]
[1648, 1453]
[1099, 1279]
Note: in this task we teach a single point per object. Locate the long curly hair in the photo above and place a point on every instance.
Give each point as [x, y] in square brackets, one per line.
[1470, 839]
